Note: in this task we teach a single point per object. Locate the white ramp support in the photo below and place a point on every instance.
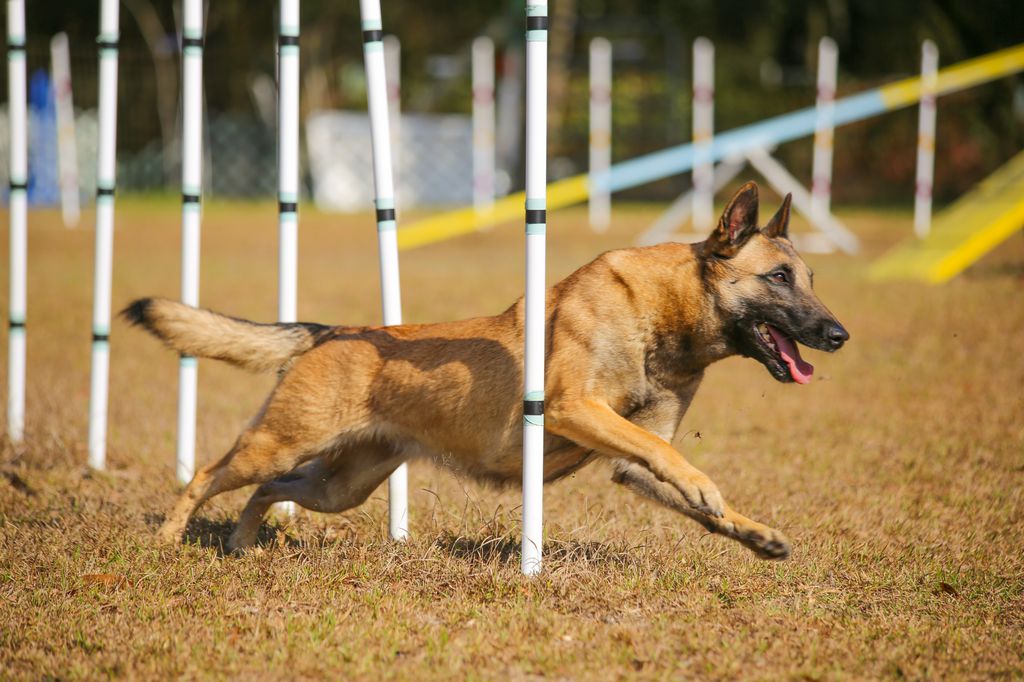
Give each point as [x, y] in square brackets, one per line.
[600, 204]
[536, 237]
[103, 269]
[288, 168]
[703, 131]
[824, 109]
[926, 140]
[383, 183]
[67, 154]
[483, 124]
[191, 194]
[784, 183]
[18, 207]
[679, 210]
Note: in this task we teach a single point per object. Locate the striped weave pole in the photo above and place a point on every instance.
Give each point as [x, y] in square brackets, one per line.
[106, 168]
[288, 167]
[600, 204]
[383, 183]
[18, 207]
[926, 140]
[191, 193]
[536, 228]
[824, 107]
[703, 133]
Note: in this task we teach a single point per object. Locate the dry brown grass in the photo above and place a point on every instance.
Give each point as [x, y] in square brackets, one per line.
[898, 475]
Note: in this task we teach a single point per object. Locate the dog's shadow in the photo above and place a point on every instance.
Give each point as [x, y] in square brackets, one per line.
[507, 550]
[481, 550]
[214, 534]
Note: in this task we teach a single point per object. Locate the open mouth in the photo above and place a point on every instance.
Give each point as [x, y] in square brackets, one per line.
[784, 350]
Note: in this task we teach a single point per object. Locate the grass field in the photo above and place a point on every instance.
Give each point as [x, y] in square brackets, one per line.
[898, 474]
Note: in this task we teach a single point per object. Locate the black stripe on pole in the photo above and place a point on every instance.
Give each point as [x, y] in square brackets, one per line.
[385, 214]
[13, 324]
[104, 191]
[373, 36]
[533, 408]
[287, 40]
[15, 186]
[287, 207]
[100, 337]
[192, 42]
[536, 23]
[15, 47]
[106, 44]
[190, 198]
[536, 216]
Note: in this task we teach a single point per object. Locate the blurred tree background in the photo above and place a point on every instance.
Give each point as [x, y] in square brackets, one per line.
[765, 65]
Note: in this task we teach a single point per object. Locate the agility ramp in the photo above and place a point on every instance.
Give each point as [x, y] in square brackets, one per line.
[971, 227]
[730, 144]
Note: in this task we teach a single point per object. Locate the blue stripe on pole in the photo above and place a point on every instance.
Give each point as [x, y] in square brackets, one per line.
[734, 142]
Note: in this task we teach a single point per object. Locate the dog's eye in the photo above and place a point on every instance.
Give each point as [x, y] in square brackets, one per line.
[780, 276]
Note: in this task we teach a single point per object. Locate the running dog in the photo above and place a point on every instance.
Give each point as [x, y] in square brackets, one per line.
[629, 336]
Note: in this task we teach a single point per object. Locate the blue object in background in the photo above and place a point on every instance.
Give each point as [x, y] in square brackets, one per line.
[43, 170]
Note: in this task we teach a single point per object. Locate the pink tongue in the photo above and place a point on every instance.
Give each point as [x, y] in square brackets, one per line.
[799, 369]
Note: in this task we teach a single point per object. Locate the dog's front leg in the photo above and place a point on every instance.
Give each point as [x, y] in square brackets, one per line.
[594, 424]
[766, 542]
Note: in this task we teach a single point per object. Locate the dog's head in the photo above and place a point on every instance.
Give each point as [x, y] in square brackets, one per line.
[763, 291]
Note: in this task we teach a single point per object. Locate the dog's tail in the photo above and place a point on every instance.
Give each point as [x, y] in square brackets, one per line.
[206, 334]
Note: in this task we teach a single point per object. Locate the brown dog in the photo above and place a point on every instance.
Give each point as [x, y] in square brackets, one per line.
[629, 336]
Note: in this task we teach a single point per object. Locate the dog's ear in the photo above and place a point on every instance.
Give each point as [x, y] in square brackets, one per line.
[778, 226]
[737, 224]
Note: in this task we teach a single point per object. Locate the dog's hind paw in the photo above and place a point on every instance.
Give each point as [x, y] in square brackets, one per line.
[167, 535]
[768, 544]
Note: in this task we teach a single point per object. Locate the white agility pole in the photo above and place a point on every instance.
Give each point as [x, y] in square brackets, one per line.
[926, 140]
[67, 154]
[18, 207]
[393, 78]
[536, 229]
[703, 130]
[600, 157]
[483, 124]
[288, 168]
[824, 109]
[106, 168]
[391, 296]
[191, 193]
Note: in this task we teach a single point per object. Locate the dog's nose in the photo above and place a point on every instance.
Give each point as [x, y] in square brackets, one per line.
[836, 335]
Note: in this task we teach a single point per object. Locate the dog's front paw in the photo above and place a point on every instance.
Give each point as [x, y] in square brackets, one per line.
[703, 495]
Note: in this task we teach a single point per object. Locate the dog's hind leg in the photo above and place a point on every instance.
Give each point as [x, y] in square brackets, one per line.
[330, 483]
[258, 455]
[766, 542]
